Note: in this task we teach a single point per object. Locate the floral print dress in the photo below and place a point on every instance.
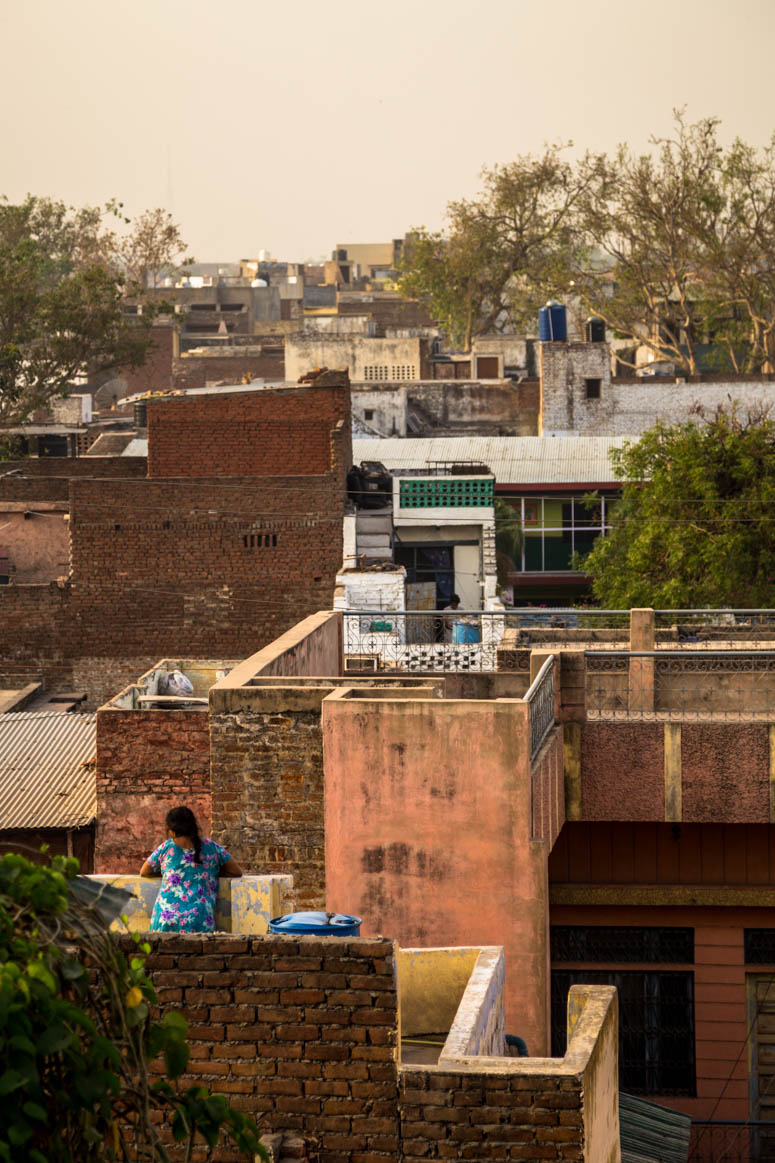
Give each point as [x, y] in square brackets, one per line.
[186, 900]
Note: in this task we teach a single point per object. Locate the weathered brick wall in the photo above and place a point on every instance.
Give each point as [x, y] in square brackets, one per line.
[75, 466]
[147, 762]
[489, 1116]
[298, 1033]
[267, 788]
[193, 371]
[293, 431]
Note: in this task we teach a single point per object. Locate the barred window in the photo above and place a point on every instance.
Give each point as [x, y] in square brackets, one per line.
[656, 1026]
[759, 946]
[619, 944]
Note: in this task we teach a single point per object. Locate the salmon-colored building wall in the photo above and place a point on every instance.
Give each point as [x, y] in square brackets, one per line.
[718, 879]
[428, 822]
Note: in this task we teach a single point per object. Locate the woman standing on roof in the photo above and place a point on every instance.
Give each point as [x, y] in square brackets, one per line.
[189, 866]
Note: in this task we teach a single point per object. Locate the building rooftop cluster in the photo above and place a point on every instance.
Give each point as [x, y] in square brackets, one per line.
[555, 821]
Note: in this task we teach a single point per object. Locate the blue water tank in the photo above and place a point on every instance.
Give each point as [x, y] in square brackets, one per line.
[552, 324]
[466, 632]
[317, 925]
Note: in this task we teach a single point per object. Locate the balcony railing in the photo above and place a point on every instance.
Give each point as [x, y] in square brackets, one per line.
[540, 700]
[732, 1142]
[680, 685]
[430, 642]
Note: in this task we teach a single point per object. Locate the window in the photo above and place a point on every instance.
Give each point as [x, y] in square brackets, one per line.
[656, 1026]
[621, 943]
[759, 946]
[557, 527]
[656, 1006]
[592, 388]
[368, 414]
[258, 540]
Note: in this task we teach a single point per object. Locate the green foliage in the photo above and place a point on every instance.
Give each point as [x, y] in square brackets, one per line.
[76, 1037]
[694, 527]
[63, 277]
[509, 538]
[502, 252]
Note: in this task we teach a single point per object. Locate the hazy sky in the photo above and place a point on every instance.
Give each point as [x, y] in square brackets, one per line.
[292, 125]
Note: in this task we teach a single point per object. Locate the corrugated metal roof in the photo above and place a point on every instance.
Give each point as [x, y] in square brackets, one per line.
[515, 460]
[47, 779]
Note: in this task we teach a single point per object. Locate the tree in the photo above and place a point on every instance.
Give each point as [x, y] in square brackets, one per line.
[60, 305]
[153, 247]
[680, 249]
[502, 252]
[76, 1036]
[694, 527]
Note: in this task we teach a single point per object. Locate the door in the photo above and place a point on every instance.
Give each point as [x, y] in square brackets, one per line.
[761, 1022]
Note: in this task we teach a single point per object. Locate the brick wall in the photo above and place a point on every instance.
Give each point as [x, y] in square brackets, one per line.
[147, 761]
[487, 1116]
[193, 371]
[75, 466]
[300, 1034]
[267, 787]
[293, 431]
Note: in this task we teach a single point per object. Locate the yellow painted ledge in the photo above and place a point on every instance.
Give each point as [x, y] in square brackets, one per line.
[246, 904]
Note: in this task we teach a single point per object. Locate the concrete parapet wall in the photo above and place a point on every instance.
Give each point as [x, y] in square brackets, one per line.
[477, 1107]
[479, 1027]
[246, 904]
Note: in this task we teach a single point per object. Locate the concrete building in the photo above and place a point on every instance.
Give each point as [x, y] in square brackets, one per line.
[373, 360]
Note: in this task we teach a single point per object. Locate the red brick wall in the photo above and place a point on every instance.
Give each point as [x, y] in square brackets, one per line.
[304, 431]
[147, 762]
[300, 1034]
[181, 568]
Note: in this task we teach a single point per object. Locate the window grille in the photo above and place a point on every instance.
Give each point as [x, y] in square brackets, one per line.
[446, 492]
[759, 946]
[656, 1026]
[621, 944]
[260, 540]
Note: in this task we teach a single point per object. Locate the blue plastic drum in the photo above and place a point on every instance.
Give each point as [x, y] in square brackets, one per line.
[316, 925]
[466, 632]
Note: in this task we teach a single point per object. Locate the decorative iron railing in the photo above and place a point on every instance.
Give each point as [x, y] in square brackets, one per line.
[680, 685]
[715, 1141]
[420, 642]
[540, 700]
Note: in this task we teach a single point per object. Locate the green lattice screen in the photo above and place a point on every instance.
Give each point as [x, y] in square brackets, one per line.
[447, 492]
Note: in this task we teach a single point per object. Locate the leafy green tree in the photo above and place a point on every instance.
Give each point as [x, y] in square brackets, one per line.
[77, 1037]
[502, 252]
[696, 522]
[64, 275]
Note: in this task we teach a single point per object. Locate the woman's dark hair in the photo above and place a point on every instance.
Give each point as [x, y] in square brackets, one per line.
[182, 822]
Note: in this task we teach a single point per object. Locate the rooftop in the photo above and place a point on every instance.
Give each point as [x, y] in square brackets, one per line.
[46, 770]
[514, 460]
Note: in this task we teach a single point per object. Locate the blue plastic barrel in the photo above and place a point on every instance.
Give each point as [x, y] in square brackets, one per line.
[552, 323]
[465, 632]
[317, 925]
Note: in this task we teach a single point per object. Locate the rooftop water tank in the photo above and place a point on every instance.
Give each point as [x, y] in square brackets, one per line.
[552, 324]
[317, 925]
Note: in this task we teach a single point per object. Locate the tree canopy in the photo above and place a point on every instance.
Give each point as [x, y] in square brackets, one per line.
[63, 277]
[694, 527]
[501, 252]
[673, 249]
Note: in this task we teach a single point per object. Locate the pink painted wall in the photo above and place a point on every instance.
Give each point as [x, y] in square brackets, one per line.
[623, 771]
[428, 820]
[725, 772]
[548, 790]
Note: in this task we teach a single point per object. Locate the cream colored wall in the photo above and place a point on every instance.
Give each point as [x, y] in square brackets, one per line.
[431, 983]
[246, 904]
